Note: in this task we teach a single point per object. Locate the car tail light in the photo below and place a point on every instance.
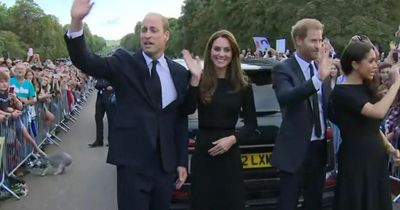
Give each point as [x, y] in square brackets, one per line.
[331, 181]
[329, 133]
[181, 193]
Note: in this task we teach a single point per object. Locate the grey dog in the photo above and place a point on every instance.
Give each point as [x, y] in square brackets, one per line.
[54, 164]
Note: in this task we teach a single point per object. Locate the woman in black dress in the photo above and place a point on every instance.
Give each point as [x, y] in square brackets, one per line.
[220, 93]
[363, 178]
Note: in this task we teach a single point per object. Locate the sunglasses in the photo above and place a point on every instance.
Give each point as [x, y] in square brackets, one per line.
[364, 39]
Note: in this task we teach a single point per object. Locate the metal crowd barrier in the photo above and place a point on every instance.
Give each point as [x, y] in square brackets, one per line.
[15, 151]
[395, 173]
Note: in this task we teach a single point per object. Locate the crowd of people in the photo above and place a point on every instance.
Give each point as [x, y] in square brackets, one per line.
[34, 96]
[270, 54]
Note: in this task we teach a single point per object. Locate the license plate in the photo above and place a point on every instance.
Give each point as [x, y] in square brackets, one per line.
[256, 160]
[250, 160]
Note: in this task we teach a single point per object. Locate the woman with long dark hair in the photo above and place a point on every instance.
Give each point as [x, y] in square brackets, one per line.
[220, 93]
[363, 178]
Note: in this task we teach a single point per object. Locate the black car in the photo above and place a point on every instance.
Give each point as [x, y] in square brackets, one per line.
[260, 178]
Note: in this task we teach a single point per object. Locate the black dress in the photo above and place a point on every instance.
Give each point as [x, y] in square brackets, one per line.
[217, 182]
[363, 177]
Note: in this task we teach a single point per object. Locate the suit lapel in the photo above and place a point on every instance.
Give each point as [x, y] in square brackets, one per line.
[300, 75]
[175, 77]
[297, 69]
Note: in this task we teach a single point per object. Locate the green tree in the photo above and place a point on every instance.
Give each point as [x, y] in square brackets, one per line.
[131, 41]
[11, 43]
[273, 18]
[31, 27]
[175, 43]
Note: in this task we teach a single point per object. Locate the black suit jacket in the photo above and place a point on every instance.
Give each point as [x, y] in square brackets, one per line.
[138, 121]
[294, 96]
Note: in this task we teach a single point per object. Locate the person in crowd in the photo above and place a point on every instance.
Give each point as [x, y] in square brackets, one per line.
[103, 105]
[34, 60]
[249, 53]
[243, 53]
[272, 54]
[149, 142]
[383, 74]
[328, 86]
[5, 62]
[45, 97]
[281, 56]
[392, 57]
[11, 106]
[287, 53]
[300, 147]
[23, 88]
[331, 80]
[30, 76]
[363, 179]
[392, 123]
[219, 93]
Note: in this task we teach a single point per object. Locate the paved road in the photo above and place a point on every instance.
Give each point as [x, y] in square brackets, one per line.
[88, 184]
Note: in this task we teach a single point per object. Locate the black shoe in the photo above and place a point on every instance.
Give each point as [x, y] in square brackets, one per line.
[96, 144]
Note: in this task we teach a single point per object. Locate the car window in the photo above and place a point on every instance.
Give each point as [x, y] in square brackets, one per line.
[264, 95]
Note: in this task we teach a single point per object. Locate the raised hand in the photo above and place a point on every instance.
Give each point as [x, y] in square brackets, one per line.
[195, 67]
[80, 9]
[324, 61]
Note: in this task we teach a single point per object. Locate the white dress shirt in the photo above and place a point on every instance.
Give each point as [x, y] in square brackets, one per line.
[305, 67]
[168, 90]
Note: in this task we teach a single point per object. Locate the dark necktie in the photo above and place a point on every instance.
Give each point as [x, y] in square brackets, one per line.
[316, 119]
[155, 84]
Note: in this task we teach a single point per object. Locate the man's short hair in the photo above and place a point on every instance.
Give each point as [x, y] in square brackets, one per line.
[165, 23]
[302, 26]
[164, 20]
[23, 65]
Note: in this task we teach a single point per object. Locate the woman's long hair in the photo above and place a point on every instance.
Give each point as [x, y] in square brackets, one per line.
[234, 72]
[34, 80]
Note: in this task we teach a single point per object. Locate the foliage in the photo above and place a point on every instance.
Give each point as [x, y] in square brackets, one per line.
[25, 25]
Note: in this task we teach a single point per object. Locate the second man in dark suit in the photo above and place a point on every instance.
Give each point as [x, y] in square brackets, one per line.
[103, 106]
[300, 148]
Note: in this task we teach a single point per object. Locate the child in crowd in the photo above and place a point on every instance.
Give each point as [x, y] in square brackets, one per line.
[11, 106]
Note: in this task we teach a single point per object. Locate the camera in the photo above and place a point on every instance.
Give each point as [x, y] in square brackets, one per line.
[11, 90]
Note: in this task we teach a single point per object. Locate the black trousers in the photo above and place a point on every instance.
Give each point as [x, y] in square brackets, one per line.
[103, 106]
[309, 180]
[140, 190]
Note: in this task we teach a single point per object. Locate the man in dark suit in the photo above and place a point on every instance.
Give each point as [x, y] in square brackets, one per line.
[103, 106]
[300, 148]
[149, 141]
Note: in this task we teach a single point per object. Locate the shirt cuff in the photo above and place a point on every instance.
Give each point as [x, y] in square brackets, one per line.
[317, 82]
[73, 35]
